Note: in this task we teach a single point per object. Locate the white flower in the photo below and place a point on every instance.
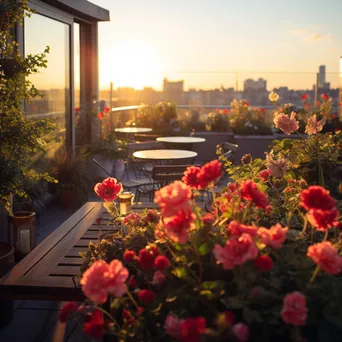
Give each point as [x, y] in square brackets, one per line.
[273, 97]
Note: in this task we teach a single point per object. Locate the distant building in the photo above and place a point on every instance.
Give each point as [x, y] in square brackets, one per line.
[321, 76]
[256, 85]
[173, 91]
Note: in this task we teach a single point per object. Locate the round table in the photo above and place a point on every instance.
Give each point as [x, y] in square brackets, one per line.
[164, 154]
[133, 130]
[181, 140]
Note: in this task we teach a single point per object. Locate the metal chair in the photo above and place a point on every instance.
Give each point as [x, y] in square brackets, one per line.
[128, 184]
[161, 176]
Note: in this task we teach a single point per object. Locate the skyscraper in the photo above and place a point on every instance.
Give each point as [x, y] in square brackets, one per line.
[321, 77]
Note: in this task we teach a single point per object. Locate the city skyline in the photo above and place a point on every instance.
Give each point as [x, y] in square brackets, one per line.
[200, 41]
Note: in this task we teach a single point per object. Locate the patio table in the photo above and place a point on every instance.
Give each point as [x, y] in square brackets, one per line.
[186, 143]
[133, 130]
[164, 154]
[50, 271]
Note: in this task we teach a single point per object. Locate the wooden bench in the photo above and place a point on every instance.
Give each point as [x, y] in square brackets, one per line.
[50, 271]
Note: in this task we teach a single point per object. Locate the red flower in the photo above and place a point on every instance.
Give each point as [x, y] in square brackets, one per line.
[210, 172]
[237, 229]
[325, 255]
[325, 97]
[246, 104]
[241, 332]
[307, 106]
[108, 190]
[128, 317]
[106, 110]
[250, 192]
[192, 329]
[315, 197]
[229, 318]
[333, 116]
[76, 110]
[100, 116]
[263, 263]
[146, 260]
[146, 296]
[208, 219]
[265, 174]
[140, 310]
[129, 255]
[191, 177]
[161, 263]
[322, 219]
[305, 97]
[66, 310]
[225, 111]
[294, 309]
[263, 110]
[132, 282]
[94, 327]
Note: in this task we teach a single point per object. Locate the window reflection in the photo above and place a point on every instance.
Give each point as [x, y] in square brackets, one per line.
[54, 81]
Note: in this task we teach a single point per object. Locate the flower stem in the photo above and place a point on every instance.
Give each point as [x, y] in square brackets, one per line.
[326, 235]
[314, 274]
[132, 299]
[109, 315]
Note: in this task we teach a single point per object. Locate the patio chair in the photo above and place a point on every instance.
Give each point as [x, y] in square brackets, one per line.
[161, 176]
[228, 150]
[128, 184]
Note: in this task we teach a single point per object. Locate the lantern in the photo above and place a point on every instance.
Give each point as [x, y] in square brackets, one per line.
[22, 232]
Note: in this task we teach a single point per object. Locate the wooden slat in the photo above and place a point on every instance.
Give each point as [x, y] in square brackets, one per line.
[73, 253]
[84, 243]
[65, 270]
[47, 245]
[71, 261]
[57, 253]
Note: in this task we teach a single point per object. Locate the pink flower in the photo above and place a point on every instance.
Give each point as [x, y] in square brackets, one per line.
[325, 255]
[132, 219]
[177, 227]
[286, 124]
[100, 279]
[129, 255]
[237, 229]
[277, 236]
[173, 198]
[208, 219]
[109, 189]
[305, 97]
[117, 276]
[172, 326]
[158, 278]
[250, 192]
[294, 309]
[146, 296]
[313, 126]
[322, 219]
[241, 332]
[265, 174]
[236, 251]
[325, 97]
[278, 167]
[94, 282]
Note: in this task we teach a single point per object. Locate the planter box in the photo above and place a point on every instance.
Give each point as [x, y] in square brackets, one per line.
[255, 145]
[207, 151]
[279, 136]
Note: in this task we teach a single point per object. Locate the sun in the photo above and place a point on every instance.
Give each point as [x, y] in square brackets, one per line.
[131, 65]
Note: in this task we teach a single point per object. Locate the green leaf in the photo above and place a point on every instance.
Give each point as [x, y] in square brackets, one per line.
[180, 272]
[251, 316]
[204, 249]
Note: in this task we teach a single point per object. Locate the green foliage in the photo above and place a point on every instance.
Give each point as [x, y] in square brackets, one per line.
[217, 121]
[20, 138]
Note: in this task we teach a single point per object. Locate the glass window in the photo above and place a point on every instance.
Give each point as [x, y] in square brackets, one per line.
[77, 66]
[54, 81]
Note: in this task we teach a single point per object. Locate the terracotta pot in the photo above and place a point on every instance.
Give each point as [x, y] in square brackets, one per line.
[6, 263]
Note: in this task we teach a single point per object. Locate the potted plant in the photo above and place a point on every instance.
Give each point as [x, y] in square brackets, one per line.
[72, 175]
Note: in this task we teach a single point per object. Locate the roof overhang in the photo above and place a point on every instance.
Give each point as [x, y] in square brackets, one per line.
[82, 8]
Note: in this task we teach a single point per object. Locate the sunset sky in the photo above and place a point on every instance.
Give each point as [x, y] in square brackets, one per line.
[207, 42]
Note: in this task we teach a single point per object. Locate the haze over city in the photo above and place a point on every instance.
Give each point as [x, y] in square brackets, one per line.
[207, 43]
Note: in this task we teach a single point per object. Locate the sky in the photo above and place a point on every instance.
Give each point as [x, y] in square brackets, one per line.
[212, 43]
